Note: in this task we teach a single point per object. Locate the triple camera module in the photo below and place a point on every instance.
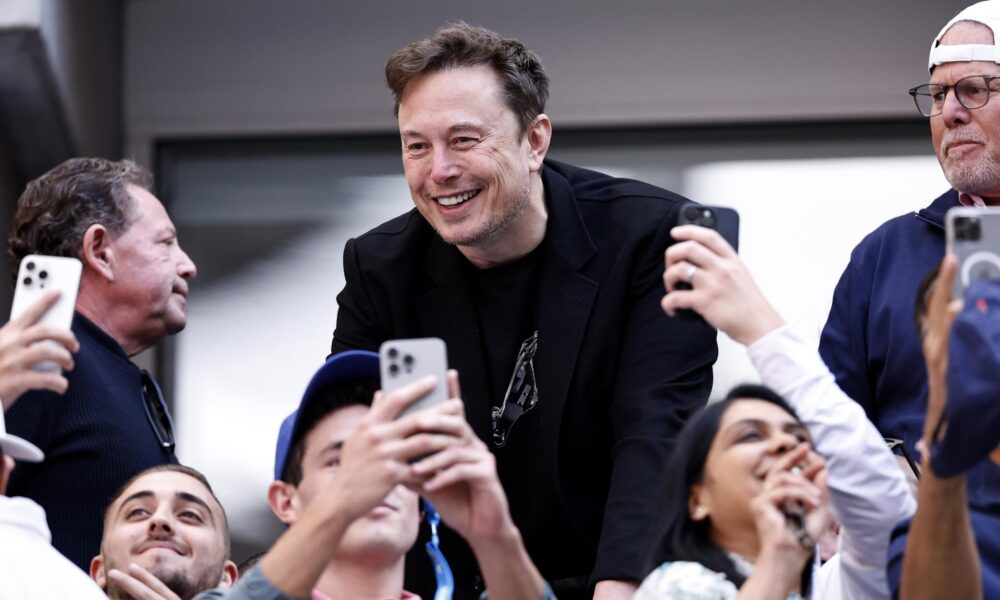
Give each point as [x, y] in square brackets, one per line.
[42, 274]
[395, 367]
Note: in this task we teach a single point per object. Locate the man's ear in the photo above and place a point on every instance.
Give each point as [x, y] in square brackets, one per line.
[97, 572]
[230, 574]
[283, 498]
[538, 136]
[97, 253]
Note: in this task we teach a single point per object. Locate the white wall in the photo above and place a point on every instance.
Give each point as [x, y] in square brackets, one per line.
[314, 66]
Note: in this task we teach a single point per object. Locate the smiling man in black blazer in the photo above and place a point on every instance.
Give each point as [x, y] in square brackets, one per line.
[545, 281]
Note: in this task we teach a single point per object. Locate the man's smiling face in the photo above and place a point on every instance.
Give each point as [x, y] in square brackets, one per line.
[467, 162]
[170, 524]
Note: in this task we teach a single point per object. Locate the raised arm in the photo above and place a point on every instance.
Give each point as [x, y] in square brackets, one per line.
[868, 492]
[941, 559]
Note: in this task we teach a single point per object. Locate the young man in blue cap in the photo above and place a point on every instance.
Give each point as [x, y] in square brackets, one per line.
[348, 471]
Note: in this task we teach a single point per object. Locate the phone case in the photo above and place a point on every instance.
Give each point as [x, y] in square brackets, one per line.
[973, 236]
[39, 274]
[720, 218]
[404, 361]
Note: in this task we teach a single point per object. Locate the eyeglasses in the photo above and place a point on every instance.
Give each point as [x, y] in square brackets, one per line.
[157, 412]
[972, 92]
[894, 444]
[521, 395]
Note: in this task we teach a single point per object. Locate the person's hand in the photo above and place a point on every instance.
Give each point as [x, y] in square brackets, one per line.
[935, 332]
[20, 349]
[463, 484]
[378, 454]
[141, 584]
[723, 292]
[797, 478]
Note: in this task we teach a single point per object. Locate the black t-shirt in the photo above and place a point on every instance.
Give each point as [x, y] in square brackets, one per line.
[506, 300]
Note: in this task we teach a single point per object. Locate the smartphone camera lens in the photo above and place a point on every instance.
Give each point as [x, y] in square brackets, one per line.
[27, 281]
[707, 219]
[393, 353]
[968, 229]
[43, 274]
[30, 266]
[393, 369]
[691, 213]
[408, 359]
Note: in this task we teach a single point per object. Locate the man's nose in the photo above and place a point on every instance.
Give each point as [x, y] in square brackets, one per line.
[952, 110]
[445, 167]
[185, 266]
[160, 523]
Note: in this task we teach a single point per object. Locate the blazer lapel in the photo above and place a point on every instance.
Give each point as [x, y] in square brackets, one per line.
[447, 310]
[566, 298]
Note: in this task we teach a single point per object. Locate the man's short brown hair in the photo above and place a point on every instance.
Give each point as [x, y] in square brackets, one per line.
[172, 468]
[523, 82]
[56, 209]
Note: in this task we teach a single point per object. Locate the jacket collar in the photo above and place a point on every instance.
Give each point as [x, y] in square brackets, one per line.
[84, 326]
[934, 214]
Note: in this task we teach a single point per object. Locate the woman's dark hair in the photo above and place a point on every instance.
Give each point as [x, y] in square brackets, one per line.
[920, 303]
[678, 537]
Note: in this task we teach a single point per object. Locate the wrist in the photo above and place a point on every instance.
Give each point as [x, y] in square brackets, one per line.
[760, 327]
[782, 566]
[503, 539]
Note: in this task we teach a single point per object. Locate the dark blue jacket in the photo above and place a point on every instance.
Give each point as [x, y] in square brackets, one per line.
[870, 341]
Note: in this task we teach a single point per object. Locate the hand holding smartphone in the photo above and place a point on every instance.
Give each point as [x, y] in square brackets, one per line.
[36, 276]
[405, 361]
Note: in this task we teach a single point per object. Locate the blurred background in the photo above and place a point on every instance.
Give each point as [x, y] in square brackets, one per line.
[271, 135]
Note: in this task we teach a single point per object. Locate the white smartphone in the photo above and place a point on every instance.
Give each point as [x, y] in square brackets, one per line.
[404, 361]
[39, 274]
[973, 235]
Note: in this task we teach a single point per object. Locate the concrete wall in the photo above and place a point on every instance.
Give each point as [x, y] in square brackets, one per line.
[84, 45]
[226, 67]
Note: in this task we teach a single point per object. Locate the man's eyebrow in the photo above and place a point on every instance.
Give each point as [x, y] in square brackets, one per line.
[135, 496]
[332, 446]
[189, 497]
[463, 126]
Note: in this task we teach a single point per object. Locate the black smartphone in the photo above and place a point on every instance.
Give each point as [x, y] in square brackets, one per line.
[724, 220]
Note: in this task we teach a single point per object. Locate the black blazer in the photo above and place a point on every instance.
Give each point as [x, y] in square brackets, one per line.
[621, 379]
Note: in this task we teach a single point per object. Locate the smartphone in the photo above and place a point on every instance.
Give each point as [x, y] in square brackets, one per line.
[973, 235]
[724, 220]
[404, 361]
[39, 274]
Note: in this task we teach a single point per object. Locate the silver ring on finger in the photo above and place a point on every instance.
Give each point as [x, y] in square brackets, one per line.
[690, 274]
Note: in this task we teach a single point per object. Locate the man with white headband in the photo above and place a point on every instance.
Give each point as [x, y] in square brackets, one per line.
[870, 341]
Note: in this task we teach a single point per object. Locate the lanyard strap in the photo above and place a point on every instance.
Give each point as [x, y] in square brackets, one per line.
[442, 571]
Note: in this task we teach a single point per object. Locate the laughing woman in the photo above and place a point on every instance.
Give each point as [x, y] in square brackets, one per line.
[745, 496]
[746, 503]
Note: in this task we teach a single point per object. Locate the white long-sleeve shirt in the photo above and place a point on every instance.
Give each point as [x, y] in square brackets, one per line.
[869, 494]
[30, 568]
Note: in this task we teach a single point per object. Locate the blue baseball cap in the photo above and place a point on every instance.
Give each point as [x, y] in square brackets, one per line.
[972, 413]
[346, 366]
